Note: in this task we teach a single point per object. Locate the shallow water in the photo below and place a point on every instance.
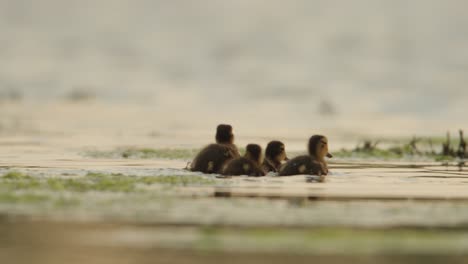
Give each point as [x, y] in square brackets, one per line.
[360, 194]
[390, 193]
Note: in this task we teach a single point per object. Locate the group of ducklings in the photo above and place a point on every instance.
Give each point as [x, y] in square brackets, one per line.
[224, 158]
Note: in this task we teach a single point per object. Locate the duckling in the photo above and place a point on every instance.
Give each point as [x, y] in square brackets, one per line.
[249, 165]
[275, 154]
[314, 163]
[211, 158]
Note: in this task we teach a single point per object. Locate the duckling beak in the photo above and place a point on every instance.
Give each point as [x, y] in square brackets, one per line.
[329, 155]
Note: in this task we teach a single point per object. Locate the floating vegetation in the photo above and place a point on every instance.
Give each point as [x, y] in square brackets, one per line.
[379, 153]
[369, 149]
[415, 148]
[13, 198]
[15, 181]
[15, 175]
[20, 192]
[144, 153]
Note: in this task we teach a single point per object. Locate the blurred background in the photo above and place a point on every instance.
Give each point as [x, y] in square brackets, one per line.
[271, 68]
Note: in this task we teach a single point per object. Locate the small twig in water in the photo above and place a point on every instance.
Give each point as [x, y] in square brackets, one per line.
[446, 149]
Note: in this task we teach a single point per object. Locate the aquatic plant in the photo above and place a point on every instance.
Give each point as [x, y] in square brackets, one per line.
[96, 182]
[13, 198]
[414, 148]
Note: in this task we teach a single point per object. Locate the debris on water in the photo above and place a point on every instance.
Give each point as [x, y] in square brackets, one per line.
[81, 94]
[326, 108]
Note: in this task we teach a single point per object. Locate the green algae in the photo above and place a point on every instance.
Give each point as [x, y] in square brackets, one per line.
[96, 182]
[68, 192]
[109, 180]
[15, 175]
[18, 181]
[14, 198]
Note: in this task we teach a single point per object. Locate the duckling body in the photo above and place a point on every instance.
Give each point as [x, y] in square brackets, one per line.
[270, 166]
[243, 166]
[312, 164]
[275, 154]
[248, 165]
[211, 158]
[303, 165]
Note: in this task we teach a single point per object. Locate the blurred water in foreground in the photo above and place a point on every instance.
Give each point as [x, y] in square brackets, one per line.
[387, 68]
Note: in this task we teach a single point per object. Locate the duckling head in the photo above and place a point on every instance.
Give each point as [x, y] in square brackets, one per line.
[318, 147]
[254, 153]
[224, 134]
[275, 151]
